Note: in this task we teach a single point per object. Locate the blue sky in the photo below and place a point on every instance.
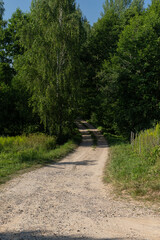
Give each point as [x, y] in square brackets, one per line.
[90, 8]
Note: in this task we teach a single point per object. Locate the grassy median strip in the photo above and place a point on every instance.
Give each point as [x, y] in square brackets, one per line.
[94, 138]
[132, 171]
[23, 153]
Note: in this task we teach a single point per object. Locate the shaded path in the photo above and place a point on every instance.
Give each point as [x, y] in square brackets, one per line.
[68, 201]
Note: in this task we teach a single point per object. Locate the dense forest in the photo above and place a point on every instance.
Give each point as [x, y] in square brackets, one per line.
[55, 68]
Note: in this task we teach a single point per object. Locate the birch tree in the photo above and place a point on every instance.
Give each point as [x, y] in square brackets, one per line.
[50, 67]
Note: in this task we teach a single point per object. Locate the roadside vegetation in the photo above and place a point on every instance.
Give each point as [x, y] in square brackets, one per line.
[94, 138]
[24, 153]
[55, 66]
[135, 167]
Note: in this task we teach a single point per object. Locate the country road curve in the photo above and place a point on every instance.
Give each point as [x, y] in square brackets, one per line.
[69, 201]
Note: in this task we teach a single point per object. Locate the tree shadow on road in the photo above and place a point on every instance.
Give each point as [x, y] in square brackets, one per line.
[79, 163]
[38, 236]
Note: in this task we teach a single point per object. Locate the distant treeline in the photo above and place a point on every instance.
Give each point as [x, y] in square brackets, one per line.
[55, 67]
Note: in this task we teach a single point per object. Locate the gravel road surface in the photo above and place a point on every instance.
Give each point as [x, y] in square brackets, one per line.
[69, 201]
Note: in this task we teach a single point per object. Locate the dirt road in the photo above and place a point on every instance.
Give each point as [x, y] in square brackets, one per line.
[68, 200]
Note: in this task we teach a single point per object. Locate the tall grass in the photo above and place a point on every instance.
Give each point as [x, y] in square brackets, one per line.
[135, 167]
[33, 141]
[23, 152]
[147, 144]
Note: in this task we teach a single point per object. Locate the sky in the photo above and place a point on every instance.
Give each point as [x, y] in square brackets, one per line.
[90, 8]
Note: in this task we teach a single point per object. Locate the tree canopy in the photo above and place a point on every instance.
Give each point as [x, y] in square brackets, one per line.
[55, 67]
[50, 66]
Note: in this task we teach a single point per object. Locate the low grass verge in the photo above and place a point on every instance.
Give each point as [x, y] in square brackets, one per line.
[24, 153]
[131, 172]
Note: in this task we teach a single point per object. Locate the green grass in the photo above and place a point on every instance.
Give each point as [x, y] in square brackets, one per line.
[111, 138]
[24, 153]
[94, 138]
[132, 172]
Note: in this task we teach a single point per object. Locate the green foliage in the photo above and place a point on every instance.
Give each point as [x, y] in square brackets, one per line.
[1, 9]
[33, 141]
[130, 81]
[135, 167]
[17, 154]
[100, 44]
[100, 47]
[11, 42]
[118, 6]
[50, 67]
[54, 66]
[15, 115]
[146, 144]
[113, 139]
[2, 25]
[9, 39]
[94, 138]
